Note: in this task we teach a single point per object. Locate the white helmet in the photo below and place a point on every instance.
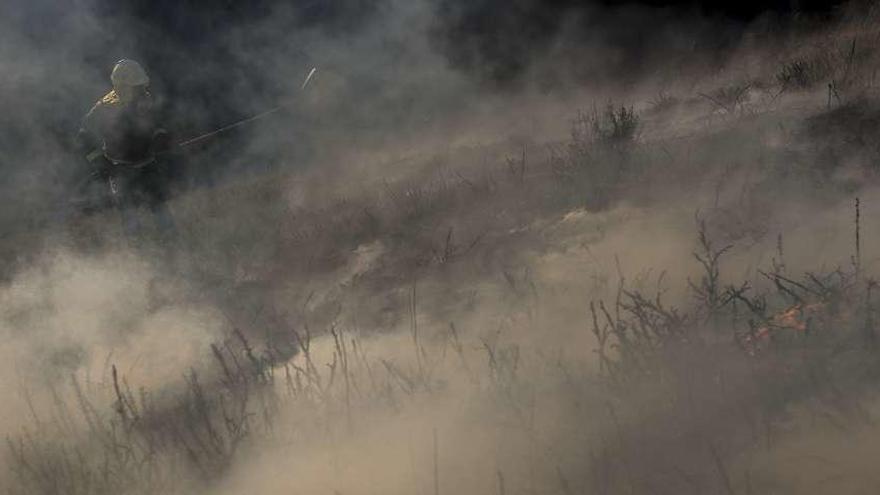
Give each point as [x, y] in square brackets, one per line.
[128, 73]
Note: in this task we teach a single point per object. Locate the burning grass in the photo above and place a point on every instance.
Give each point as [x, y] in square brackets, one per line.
[669, 397]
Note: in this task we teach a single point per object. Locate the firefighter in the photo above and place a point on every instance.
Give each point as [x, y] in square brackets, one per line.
[124, 144]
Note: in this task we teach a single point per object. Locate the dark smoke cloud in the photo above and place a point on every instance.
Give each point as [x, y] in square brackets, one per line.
[498, 41]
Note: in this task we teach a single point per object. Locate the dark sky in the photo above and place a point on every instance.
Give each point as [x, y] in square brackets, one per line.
[497, 31]
[743, 9]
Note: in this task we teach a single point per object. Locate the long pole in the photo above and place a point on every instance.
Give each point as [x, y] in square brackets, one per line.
[198, 139]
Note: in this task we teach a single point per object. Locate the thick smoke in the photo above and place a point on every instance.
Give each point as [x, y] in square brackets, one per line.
[393, 285]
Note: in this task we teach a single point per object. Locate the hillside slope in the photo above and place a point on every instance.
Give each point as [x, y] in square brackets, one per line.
[666, 288]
